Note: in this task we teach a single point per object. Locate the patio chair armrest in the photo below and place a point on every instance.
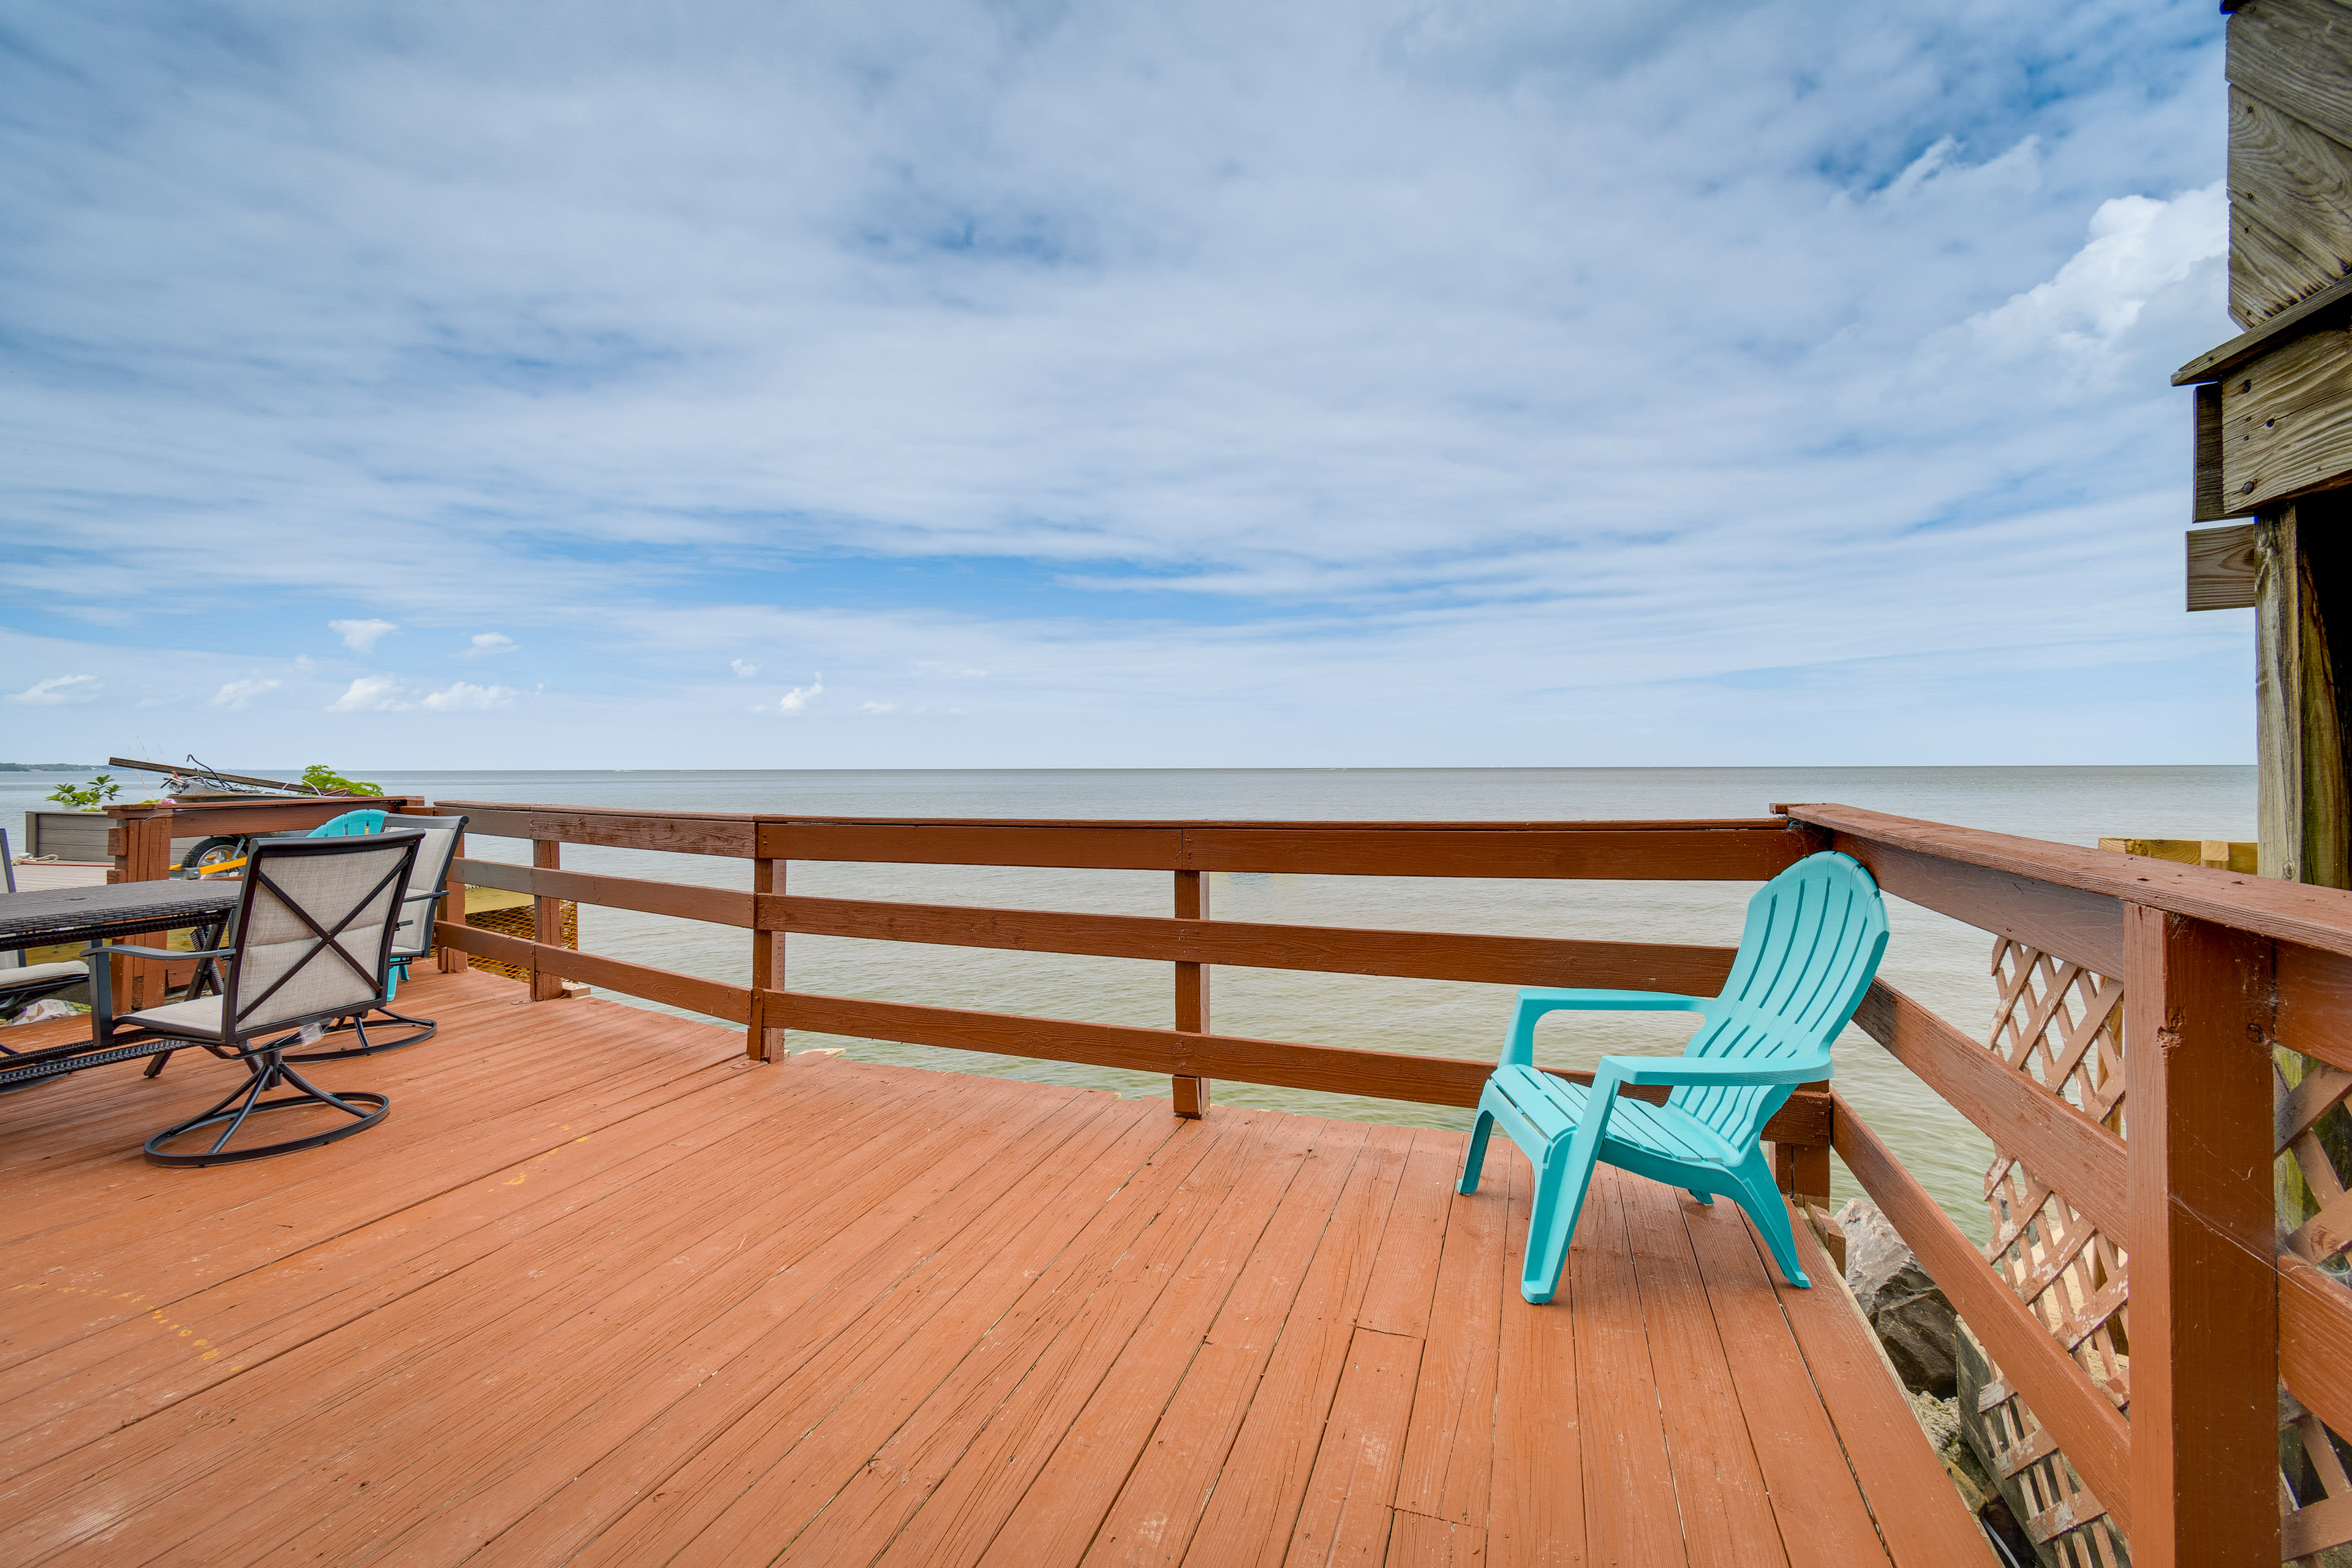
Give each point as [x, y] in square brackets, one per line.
[1537, 1000]
[175, 954]
[1725, 1072]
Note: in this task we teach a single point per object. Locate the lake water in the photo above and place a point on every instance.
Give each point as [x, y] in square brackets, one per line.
[1943, 964]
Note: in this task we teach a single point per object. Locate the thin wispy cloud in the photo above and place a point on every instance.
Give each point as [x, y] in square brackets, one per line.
[239, 695]
[1476, 380]
[60, 688]
[361, 637]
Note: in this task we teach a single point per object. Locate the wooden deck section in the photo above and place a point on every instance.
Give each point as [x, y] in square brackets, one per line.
[602, 1291]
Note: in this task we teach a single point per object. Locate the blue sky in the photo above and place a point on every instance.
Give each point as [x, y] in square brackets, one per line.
[938, 384]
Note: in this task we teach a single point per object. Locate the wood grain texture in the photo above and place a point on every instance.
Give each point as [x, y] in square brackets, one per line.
[2095, 1436]
[709, 997]
[2315, 1004]
[676, 832]
[2215, 363]
[825, 1310]
[2290, 207]
[1289, 1064]
[2287, 421]
[2224, 567]
[2302, 782]
[719, 906]
[1744, 854]
[2314, 917]
[2074, 1153]
[2204, 1286]
[2292, 59]
[2315, 1339]
[1429, 955]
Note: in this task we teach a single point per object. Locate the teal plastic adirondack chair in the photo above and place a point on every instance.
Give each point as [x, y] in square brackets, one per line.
[351, 825]
[1815, 936]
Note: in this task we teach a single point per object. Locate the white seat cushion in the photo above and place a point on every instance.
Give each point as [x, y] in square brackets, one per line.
[41, 974]
[200, 1017]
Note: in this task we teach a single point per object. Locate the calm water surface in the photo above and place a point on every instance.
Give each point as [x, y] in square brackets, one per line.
[1943, 964]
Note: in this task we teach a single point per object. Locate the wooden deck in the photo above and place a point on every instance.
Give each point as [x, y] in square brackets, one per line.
[602, 1291]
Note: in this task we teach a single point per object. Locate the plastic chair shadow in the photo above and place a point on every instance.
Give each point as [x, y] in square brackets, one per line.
[1814, 938]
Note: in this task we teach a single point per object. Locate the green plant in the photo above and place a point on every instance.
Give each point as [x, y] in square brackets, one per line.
[89, 796]
[327, 781]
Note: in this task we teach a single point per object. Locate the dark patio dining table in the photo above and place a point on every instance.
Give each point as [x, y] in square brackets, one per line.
[55, 917]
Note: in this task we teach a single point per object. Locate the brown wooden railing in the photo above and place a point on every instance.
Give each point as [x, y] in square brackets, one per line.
[2153, 1324]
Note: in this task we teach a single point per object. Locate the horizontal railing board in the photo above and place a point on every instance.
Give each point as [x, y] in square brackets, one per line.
[711, 998]
[1745, 853]
[2060, 1144]
[2083, 928]
[1384, 1074]
[1085, 849]
[2314, 1003]
[1286, 1064]
[2314, 1311]
[677, 833]
[2286, 912]
[2093, 1433]
[719, 906]
[1426, 955]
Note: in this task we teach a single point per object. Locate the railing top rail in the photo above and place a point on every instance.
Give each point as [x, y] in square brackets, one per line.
[2286, 912]
[1593, 825]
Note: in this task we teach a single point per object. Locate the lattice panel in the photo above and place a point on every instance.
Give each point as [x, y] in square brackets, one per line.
[2059, 1026]
[2061, 1512]
[2313, 1132]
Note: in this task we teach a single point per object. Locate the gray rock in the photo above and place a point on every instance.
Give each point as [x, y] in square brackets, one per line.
[1914, 1321]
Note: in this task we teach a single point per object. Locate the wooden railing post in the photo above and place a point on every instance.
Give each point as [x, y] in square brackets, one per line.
[761, 1043]
[2204, 1284]
[139, 843]
[1191, 1094]
[547, 920]
[449, 959]
[1803, 1169]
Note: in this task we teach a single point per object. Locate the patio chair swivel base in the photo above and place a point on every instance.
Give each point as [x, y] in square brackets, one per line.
[266, 1070]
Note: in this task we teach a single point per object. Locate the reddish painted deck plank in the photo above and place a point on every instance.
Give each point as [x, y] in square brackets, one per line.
[602, 1291]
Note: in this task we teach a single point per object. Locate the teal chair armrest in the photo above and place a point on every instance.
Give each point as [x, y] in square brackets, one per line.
[1519, 1046]
[1721, 1071]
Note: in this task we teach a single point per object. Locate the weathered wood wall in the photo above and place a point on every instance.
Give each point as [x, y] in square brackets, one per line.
[2290, 68]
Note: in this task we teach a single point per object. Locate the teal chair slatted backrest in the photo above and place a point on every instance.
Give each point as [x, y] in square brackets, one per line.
[1812, 940]
[351, 825]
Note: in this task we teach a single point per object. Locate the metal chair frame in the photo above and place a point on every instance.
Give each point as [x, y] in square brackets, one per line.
[265, 1060]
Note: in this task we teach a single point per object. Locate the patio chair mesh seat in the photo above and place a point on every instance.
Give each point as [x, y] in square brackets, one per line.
[314, 923]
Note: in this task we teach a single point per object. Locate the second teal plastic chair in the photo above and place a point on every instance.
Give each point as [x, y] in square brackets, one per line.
[1815, 936]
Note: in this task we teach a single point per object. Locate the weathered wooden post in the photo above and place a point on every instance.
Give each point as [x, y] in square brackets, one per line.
[760, 1042]
[2273, 417]
[547, 920]
[139, 843]
[1191, 1094]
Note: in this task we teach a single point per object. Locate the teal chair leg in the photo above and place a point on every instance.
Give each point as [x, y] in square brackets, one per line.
[1706, 1198]
[1474, 1161]
[1564, 1177]
[1761, 1198]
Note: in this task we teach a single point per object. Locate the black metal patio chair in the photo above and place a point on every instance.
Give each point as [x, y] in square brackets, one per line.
[312, 942]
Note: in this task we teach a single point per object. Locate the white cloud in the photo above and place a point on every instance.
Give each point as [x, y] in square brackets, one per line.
[463, 698]
[2138, 246]
[361, 637]
[369, 694]
[486, 643]
[799, 697]
[878, 708]
[744, 670]
[239, 694]
[60, 688]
